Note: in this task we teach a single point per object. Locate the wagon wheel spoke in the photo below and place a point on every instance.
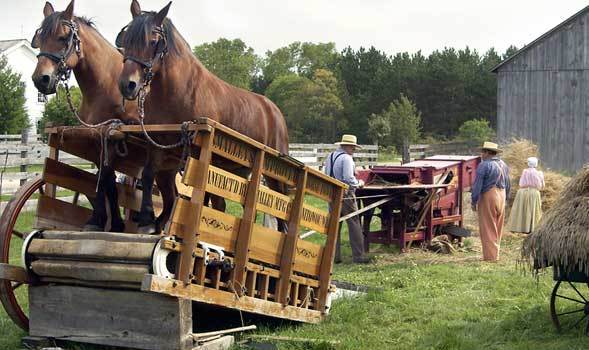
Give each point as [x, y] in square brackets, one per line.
[576, 290]
[571, 299]
[570, 312]
[16, 285]
[578, 322]
[18, 234]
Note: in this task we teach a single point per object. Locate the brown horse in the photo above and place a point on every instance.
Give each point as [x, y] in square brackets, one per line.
[182, 89]
[72, 43]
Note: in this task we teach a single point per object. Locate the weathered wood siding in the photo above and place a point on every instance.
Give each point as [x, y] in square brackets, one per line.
[542, 95]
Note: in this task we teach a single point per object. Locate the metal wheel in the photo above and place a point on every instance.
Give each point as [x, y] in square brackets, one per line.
[13, 295]
[569, 306]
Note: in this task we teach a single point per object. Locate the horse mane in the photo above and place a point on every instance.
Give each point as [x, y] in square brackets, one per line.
[51, 23]
[137, 33]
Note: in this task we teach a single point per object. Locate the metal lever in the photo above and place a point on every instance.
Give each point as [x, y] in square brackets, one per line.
[207, 247]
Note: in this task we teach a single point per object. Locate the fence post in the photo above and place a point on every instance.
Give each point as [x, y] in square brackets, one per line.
[24, 140]
[406, 152]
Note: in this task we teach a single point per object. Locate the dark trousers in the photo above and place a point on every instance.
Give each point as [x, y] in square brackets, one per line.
[349, 205]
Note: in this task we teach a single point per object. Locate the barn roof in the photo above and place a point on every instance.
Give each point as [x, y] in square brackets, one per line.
[545, 35]
[7, 44]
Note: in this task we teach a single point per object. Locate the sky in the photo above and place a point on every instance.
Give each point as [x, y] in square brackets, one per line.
[389, 25]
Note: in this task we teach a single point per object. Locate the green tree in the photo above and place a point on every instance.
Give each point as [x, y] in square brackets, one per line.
[291, 94]
[13, 113]
[231, 60]
[399, 123]
[57, 110]
[300, 58]
[311, 107]
[476, 131]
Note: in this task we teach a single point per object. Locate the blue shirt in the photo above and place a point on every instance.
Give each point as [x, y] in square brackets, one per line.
[343, 167]
[490, 173]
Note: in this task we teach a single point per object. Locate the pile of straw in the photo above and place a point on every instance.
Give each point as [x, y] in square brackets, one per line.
[562, 239]
[515, 155]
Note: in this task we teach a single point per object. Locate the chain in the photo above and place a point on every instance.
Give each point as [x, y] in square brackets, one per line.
[185, 138]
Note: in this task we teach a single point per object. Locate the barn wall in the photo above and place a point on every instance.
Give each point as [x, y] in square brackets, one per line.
[542, 96]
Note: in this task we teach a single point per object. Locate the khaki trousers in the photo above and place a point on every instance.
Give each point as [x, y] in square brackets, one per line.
[491, 210]
[349, 205]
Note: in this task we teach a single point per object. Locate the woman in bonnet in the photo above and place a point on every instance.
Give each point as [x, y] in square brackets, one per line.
[526, 211]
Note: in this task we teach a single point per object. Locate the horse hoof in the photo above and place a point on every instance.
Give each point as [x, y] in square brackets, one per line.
[147, 229]
[92, 228]
[118, 228]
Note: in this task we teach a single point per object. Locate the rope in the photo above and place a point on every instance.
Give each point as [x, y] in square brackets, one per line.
[230, 285]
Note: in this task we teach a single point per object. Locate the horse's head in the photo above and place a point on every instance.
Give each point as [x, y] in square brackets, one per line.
[59, 45]
[145, 41]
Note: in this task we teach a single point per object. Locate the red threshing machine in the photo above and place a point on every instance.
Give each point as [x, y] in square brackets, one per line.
[418, 200]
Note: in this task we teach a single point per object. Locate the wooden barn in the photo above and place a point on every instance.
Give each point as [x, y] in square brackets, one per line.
[543, 94]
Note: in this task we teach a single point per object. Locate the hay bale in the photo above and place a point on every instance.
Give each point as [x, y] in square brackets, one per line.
[562, 238]
[515, 155]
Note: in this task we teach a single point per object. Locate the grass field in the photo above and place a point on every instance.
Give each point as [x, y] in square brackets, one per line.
[425, 301]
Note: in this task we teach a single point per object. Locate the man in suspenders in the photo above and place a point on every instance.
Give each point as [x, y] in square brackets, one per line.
[489, 193]
[340, 165]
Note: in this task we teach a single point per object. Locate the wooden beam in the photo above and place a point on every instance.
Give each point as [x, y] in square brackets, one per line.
[287, 261]
[103, 236]
[207, 295]
[13, 273]
[197, 168]
[246, 226]
[329, 249]
[90, 271]
[91, 249]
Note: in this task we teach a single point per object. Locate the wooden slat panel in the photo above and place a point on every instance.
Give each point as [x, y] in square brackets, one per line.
[217, 297]
[247, 223]
[230, 148]
[78, 180]
[280, 170]
[55, 214]
[221, 229]
[314, 218]
[197, 170]
[260, 270]
[329, 249]
[319, 187]
[234, 187]
[288, 253]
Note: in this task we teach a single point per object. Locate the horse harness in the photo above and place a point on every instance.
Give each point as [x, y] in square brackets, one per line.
[161, 50]
[60, 58]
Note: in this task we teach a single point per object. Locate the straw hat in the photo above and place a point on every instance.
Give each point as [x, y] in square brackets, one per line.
[491, 146]
[349, 140]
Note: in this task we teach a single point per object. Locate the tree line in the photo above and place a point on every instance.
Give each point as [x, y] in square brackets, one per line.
[324, 92]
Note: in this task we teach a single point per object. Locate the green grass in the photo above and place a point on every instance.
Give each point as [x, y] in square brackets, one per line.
[425, 301]
[59, 194]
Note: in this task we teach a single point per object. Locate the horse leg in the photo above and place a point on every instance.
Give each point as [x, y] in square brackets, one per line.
[110, 188]
[166, 182]
[99, 217]
[146, 216]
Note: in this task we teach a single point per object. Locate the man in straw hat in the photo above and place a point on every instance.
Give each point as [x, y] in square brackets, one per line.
[488, 199]
[340, 165]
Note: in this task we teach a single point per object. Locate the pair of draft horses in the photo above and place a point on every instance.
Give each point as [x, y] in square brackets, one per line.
[155, 66]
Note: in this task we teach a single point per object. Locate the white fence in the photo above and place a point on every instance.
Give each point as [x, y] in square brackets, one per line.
[24, 151]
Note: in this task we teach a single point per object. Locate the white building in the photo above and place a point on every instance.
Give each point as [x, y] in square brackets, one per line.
[22, 58]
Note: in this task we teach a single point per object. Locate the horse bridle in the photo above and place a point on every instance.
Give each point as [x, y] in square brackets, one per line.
[160, 51]
[60, 58]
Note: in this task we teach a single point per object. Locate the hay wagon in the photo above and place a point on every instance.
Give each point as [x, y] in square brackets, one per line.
[133, 290]
[569, 300]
